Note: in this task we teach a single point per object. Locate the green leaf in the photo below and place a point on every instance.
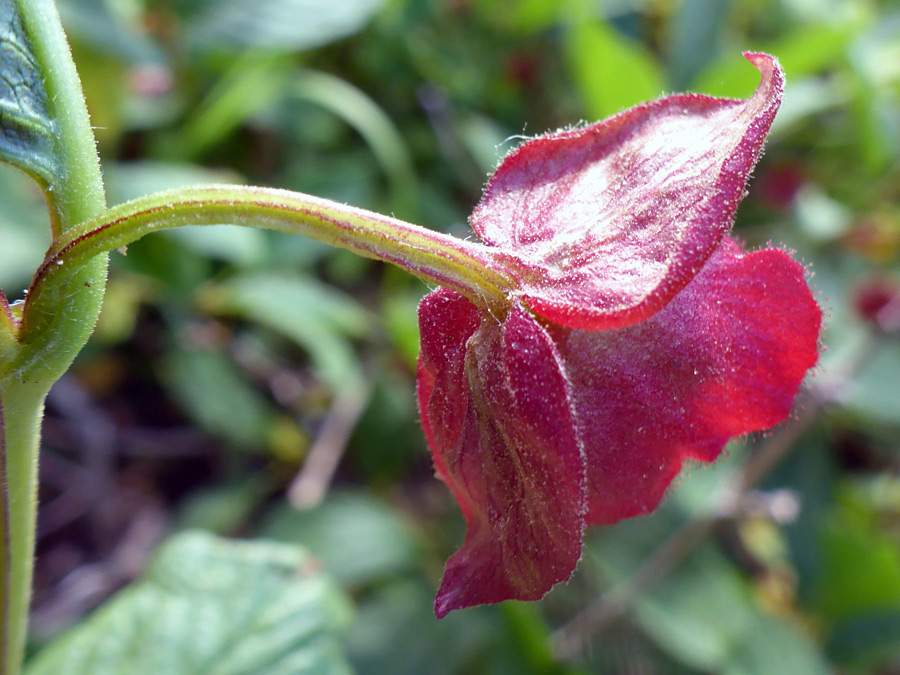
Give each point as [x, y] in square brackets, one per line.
[703, 613]
[317, 317]
[775, 648]
[371, 122]
[223, 508]
[851, 542]
[215, 393]
[700, 614]
[866, 640]
[386, 444]
[275, 25]
[208, 605]
[876, 94]
[612, 72]
[873, 392]
[360, 539]
[802, 53]
[524, 16]
[110, 27]
[396, 632]
[695, 37]
[27, 133]
[250, 84]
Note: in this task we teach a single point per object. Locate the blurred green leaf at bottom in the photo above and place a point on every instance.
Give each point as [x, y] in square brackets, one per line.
[213, 606]
[361, 540]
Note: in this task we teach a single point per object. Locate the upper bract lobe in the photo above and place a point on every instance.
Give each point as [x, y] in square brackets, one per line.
[611, 220]
[641, 336]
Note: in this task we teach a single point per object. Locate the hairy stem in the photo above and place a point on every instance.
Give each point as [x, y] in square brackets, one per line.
[62, 327]
[20, 415]
[482, 273]
[77, 194]
[5, 542]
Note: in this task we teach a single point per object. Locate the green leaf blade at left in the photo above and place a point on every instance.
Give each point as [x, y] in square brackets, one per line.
[208, 605]
[27, 131]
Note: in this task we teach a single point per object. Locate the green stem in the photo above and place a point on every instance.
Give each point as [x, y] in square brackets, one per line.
[77, 195]
[484, 274]
[74, 196]
[5, 571]
[20, 418]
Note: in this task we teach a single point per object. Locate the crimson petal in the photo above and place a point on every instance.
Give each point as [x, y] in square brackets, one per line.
[725, 357]
[498, 417]
[610, 221]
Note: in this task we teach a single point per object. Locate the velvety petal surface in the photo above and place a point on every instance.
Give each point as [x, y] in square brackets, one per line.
[498, 417]
[725, 357]
[610, 221]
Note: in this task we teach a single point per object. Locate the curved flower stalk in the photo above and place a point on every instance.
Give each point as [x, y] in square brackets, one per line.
[642, 335]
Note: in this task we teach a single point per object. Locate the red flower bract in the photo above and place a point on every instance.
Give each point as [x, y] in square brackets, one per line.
[642, 335]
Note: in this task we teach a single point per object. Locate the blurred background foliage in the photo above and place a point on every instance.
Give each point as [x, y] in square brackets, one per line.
[261, 386]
